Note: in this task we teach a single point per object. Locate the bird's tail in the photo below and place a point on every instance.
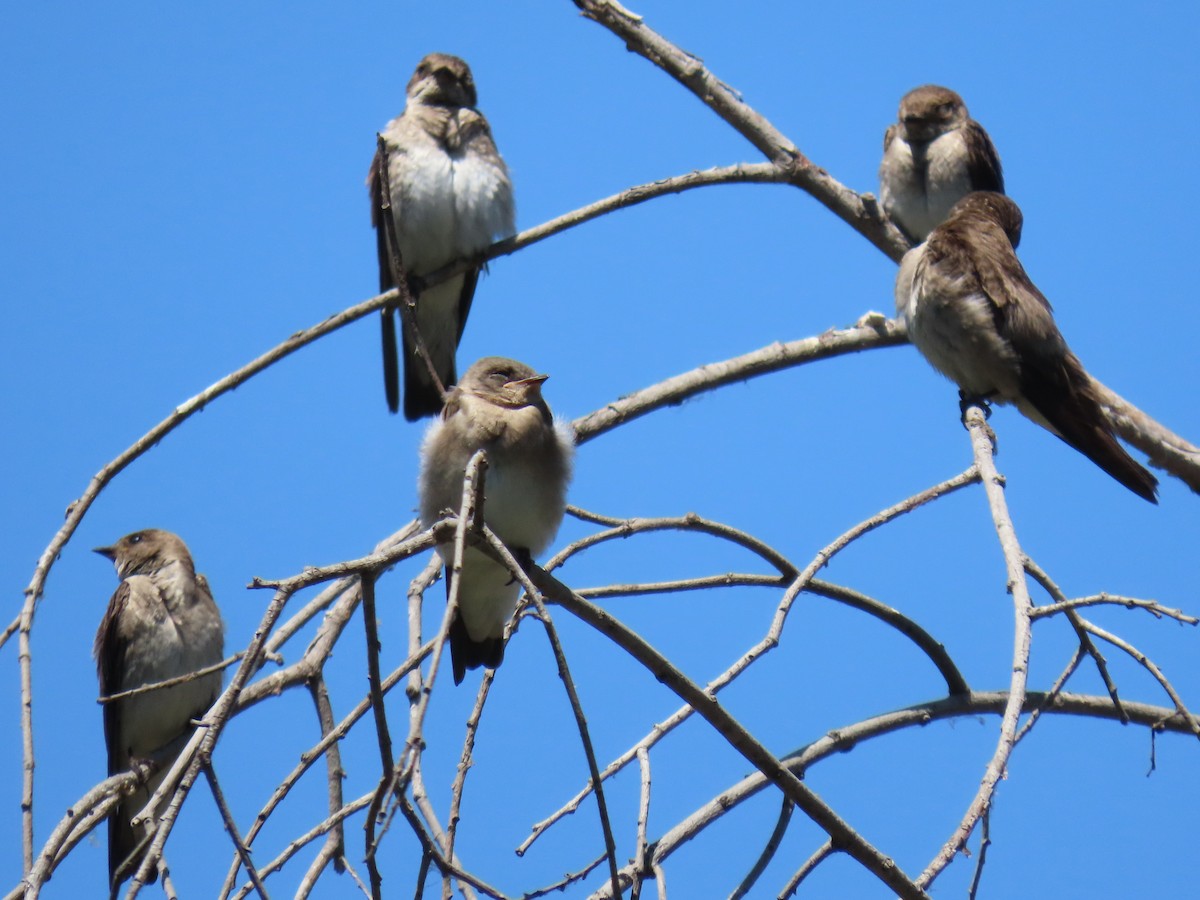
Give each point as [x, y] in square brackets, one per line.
[1072, 407]
[126, 846]
[466, 653]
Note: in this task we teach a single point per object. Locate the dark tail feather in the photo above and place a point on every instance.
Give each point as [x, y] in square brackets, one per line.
[468, 654]
[1098, 445]
[1076, 413]
[391, 365]
[421, 396]
[126, 848]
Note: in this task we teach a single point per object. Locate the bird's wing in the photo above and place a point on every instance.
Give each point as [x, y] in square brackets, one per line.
[1052, 379]
[983, 162]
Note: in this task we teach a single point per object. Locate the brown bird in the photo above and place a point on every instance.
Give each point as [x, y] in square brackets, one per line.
[934, 156]
[497, 407]
[976, 316]
[161, 623]
[450, 197]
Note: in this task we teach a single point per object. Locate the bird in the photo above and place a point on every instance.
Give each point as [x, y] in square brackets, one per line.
[497, 407]
[161, 623]
[934, 156]
[451, 196]
[975, 315]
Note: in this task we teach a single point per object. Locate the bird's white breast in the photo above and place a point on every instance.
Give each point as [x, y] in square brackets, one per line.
[955, 330]
[447, 205]
[920, 190]
[525, 502]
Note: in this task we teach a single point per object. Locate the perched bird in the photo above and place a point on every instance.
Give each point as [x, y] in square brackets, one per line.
[161, 623]
[934, 156]
[975, 315]
[450, 197]
[497, 407]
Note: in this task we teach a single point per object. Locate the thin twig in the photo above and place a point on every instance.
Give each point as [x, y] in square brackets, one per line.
[465, 758]
[1153, 607]
[643, 820]
[768, 851]
[799, 581]
[299, 843]
[985, 841]
[1078, 625]
[1149, 665]
[589, 751]
[844, 739]
[84, 814]
[821, 854]
[566, 881]
[310, 756]
[232, 830]
[375, 691]
[1055, 689]
[884, 868]
[982, 444]
[334, 849]
[430, 848]
[171, 682]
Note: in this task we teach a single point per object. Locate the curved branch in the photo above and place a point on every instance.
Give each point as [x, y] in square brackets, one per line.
[741, 173]
[797, 581]
[860, 212]
[842, 740]
[871, 332]
[884, 868]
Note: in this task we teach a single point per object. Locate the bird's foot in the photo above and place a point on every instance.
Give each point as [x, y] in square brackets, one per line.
[965, 401]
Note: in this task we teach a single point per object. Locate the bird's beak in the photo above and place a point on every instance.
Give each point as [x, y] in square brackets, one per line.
[533, 380]
[107, 552]
[529, 388]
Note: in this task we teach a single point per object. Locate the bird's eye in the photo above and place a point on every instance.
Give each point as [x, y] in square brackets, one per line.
[135, 539]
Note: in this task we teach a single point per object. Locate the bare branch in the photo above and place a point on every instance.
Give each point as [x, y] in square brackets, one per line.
[643, 819]
[768, 852]
[860, 212]
[231, 829]
[845, 738]
[819, 856]
[882, 867]
[1148, 664]
[873, 331]
[982, 443]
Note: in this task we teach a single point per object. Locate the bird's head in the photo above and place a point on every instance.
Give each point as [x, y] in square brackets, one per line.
[145, 552]
[930, 111]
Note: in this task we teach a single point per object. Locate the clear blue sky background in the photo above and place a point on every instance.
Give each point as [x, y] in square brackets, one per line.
[184, 188]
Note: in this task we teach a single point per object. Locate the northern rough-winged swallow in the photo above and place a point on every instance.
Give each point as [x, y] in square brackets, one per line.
[450, 197]
[161, 623]
[934, 156]
[497, 407]
[979, 320]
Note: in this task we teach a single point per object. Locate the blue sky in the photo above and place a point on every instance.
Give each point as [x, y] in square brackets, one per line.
[185, 190]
